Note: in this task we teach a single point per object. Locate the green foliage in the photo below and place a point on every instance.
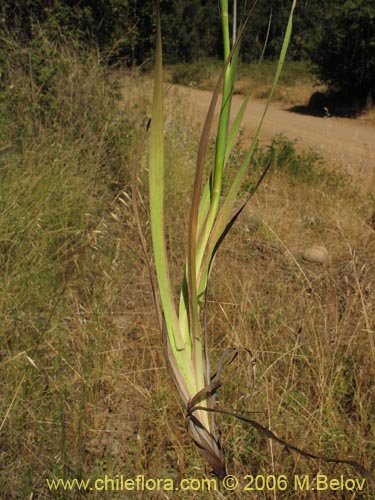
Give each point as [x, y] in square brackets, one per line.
[125, 29]
[122, 29]
[306, 20]
[345, 49]
[305, 166]
[337, 36]
[298, 165]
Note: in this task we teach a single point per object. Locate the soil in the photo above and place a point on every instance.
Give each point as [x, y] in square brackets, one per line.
[342, 142]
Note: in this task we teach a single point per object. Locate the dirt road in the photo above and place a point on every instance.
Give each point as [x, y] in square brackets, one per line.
[344, 142]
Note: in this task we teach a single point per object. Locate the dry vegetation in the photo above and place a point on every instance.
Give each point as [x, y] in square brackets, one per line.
[297, 82]
[84, 387]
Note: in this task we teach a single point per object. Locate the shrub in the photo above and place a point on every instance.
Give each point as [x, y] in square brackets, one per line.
[300, 166]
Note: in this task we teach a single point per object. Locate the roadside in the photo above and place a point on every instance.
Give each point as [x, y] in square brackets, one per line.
[343, 142]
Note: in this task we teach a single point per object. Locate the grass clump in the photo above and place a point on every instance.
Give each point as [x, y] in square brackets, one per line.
[300, 166]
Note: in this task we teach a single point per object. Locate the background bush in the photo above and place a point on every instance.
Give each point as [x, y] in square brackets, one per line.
[337, 36]
[345, 50]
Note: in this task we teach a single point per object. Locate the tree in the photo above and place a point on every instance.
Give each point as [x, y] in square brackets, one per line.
[124, 29]
[345, 49]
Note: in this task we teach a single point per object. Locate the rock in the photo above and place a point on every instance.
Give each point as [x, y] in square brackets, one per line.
[315, 254]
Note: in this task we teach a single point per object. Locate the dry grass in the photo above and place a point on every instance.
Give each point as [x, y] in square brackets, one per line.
[96, 398]
[297, 82]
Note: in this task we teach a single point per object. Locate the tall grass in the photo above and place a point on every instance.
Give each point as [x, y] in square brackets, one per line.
[64, 149]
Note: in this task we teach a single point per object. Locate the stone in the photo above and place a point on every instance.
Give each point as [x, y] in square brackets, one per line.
[316, 254]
